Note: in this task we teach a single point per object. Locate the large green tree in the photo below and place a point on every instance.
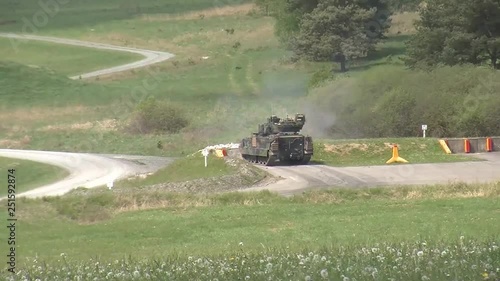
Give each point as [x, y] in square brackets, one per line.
[290, 13]
[452, 32]
[335, 30]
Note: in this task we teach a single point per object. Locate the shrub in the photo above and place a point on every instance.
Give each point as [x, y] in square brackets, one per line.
[319, 77]
[154, 116]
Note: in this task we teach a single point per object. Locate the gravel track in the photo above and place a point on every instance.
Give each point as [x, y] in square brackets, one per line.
[151, 57]
[300, 178]
[86, 170]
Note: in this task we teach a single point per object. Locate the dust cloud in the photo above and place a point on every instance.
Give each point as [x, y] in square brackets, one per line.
[282, 94]
[318, 121]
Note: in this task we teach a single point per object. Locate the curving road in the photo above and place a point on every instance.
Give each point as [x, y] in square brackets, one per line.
[299, 178]
[86, 170]
[151, 57]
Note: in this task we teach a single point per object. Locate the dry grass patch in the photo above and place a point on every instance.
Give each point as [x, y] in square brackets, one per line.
[402, 23]
[15, 143]
[243, 9]
[103, 125]
[345, 149]
[156, 44]
[43, 113]
[262, 35]
[448, 191]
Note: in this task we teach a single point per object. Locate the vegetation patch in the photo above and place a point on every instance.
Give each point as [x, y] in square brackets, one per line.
[413, 260]
[154, 116]
[208, 225]
[30, 174]
[190, 174]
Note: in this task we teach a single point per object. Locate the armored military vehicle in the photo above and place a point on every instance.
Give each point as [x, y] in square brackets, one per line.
[278, 141]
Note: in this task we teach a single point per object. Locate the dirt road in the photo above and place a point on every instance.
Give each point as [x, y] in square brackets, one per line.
[300, 178]
[151, 57]
[86, 170]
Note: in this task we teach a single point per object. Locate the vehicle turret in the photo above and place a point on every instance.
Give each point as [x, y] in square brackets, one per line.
[288, 125]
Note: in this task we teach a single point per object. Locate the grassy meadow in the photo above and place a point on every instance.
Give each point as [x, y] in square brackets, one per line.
[107, 226]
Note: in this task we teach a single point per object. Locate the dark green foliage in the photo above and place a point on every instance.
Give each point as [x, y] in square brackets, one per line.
[456, 32]
[453, 101]
[154, 116]
[334, 32]
[326, 30]
[404, 5]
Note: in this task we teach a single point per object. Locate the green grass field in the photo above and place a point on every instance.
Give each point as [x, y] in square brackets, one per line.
[134, 224]
[30, 174]
[64, 59]
[185, 169]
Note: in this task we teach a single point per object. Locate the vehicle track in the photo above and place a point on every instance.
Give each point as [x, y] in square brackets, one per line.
[151, 57]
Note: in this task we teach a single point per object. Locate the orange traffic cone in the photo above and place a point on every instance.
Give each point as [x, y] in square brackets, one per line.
[395, 156]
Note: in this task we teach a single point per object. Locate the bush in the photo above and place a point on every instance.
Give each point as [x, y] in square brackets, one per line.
[320, 77]
[154, 116]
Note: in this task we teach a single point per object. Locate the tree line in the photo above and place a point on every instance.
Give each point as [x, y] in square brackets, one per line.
[448, 32]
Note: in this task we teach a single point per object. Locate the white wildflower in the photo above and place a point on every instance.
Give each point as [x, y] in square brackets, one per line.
[241, 244]
[324, 273]
[420, 253]
[308, 278]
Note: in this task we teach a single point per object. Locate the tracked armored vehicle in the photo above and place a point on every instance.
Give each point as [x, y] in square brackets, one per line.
[278, 141]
